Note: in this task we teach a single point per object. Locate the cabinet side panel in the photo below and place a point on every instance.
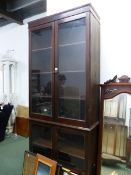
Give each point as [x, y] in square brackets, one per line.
[91, 152]
[94, 69]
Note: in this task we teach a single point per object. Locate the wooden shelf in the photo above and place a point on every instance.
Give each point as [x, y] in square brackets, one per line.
[42, 143]
[42, 96]
[76, 152]
[111, 158]
[72, 98]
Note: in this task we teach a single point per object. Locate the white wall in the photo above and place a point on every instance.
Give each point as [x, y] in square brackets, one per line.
[115, 39]
[16, 38]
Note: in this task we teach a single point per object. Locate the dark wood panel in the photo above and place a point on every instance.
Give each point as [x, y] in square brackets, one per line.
[22, 126]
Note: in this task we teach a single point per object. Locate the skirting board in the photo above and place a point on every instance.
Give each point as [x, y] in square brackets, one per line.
[22, 126]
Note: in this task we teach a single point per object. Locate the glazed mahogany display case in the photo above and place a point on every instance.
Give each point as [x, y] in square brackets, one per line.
[64, 75]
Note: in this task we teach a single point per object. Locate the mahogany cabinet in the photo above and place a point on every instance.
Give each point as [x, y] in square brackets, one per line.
[64, 87]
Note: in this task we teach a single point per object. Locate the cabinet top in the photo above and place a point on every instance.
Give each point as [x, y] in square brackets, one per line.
[116, 84]
[67, 13]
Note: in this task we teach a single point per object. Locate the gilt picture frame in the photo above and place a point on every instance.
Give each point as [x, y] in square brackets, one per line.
[44, 166]
[28, 163]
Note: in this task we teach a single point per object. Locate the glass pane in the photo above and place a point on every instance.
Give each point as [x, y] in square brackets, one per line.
[41, 139]
[72, 46]
[72, 95]
[72, 58]
[72, 85]
[41, 60]
[41, 38]
[41, 136]
[71, 161]
[72, 77]
[41, 94]
[43, 169]
[73, 146]
[72, 31]
[72, 109]
[41, 69]
[71, 151]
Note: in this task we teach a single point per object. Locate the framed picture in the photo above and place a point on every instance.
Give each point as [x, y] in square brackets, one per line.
[28, 163]
[44, 166]
[66, 171]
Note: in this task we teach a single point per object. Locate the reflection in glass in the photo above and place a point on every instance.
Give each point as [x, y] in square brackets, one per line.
[41, 133]
[72, 95]
[41, 139]
[43, 169]
[41, 94]
[41, 60]
[116, 134]
[41, 38]
[72, 46]
[72, 57]
[65, 142]
[41, 70]
[68, 148]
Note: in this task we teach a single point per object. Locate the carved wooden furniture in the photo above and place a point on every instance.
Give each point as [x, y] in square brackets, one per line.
[114, 139]
[128, 152]
[44, 165]
[64, 103]
[114, 120]
[28, 163]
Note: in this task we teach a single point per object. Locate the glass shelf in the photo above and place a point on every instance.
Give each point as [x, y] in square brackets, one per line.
[41, 96]
[41, 49]
[72, 98]
[40, 73]
[72, 44]
[71, 71]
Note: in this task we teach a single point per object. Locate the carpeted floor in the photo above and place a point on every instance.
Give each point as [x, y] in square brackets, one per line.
[12, 154]
[118, 169]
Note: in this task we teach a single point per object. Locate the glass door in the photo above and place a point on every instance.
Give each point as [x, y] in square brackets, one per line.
[71, 77]
[41, 70]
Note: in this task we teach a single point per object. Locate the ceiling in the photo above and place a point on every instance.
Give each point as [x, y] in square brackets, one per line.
[17, 10]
